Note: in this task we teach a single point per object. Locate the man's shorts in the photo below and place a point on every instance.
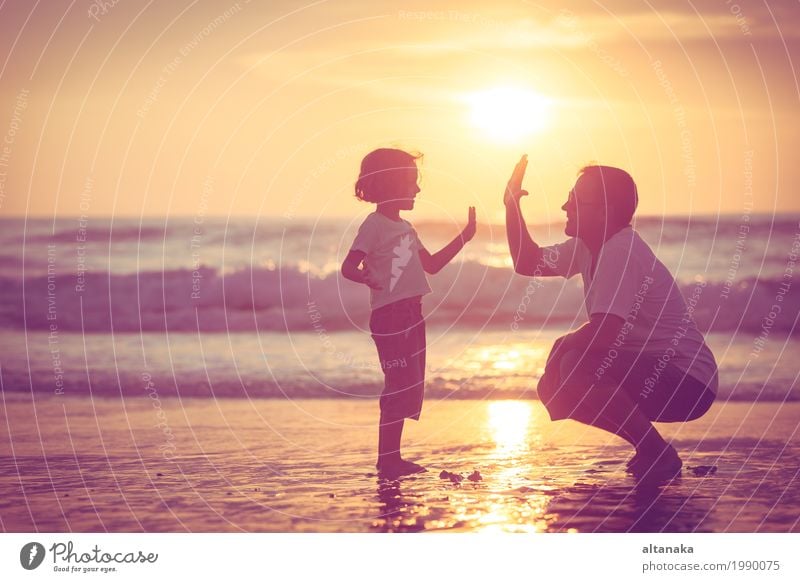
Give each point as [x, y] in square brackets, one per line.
[398, 330]
[661, 390]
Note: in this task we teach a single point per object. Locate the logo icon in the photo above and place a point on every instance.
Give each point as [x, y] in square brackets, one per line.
[402, 254]
[31, 555]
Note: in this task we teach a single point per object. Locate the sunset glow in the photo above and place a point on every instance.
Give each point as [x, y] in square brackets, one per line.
[508, 114]
[216, 112]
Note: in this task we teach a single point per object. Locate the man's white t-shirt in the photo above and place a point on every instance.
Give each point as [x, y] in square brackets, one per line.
[392, 249]
[629, 281]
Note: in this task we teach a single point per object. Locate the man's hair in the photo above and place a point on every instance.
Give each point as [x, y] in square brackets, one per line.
[617, 188]
[377, 175]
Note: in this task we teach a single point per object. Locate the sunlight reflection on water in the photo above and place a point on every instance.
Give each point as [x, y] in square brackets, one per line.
[513, 432]
[508, 422]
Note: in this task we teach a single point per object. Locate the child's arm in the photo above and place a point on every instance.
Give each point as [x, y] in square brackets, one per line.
[433, 263]
[350, 270]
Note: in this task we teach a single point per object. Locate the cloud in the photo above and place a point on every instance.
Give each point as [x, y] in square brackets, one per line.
[426, 34]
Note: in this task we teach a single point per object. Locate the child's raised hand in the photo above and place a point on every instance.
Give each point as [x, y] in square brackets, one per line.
[469, 230]
[369, 278]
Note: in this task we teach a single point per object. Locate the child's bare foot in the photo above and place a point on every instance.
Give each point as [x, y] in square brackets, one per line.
[661, 465]
[397, 468]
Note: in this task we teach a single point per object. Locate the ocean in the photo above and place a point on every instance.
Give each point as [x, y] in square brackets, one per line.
[248, 307]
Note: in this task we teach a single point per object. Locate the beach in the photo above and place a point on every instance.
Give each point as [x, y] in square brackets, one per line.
[133, 464]
[148, 389]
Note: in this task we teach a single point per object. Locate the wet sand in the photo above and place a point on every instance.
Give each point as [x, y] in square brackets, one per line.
[204, 465]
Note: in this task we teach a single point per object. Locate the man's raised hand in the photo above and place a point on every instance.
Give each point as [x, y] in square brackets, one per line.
[514, 189]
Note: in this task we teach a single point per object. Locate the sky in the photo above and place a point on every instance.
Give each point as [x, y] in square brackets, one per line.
[265, 109]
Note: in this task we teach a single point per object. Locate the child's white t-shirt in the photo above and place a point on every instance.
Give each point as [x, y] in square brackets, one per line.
[392, 255]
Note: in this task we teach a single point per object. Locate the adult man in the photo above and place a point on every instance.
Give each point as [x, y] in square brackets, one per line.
[640, 358]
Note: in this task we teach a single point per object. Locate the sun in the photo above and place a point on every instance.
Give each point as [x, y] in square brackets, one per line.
[508, 113]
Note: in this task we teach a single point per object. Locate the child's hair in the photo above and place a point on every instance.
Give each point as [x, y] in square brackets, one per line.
[374, 182]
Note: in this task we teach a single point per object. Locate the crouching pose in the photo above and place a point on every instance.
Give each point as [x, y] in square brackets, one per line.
[640, 358]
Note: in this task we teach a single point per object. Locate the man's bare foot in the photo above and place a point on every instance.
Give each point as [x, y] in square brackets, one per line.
[394, 469]
[662, 465]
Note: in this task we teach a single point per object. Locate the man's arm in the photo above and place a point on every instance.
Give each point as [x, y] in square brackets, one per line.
[526, 255]
[433, 263]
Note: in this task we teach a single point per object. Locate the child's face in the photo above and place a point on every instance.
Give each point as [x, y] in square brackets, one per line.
[405, 188]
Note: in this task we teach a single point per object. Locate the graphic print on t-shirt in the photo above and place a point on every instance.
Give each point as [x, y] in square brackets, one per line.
[402, 254]
[391, 250]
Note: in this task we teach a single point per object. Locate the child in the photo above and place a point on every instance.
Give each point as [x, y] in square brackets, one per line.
[395, 263]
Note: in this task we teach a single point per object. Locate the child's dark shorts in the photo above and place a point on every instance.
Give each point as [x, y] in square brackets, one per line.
[398, 330]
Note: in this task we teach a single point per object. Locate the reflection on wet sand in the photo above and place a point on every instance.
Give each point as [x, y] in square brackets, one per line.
[310, 470]
[525, 494]
[630, 508]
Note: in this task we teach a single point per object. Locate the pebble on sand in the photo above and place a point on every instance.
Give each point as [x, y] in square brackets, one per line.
[704, 470]
[454, 477]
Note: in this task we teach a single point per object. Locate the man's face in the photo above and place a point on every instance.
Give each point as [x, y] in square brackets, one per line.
[586, 210]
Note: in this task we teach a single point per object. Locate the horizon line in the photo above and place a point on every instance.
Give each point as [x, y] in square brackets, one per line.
[788, 213]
